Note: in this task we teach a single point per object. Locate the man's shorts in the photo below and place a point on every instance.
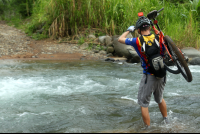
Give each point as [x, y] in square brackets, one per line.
[153, 85]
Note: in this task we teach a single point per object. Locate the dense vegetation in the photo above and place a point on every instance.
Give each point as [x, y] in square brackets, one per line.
[63, 18]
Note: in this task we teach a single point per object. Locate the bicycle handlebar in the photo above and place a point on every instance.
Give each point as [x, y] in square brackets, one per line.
[160, 9]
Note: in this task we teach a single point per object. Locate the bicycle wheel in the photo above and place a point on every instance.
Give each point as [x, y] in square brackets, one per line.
[173, 71]
[178, 59]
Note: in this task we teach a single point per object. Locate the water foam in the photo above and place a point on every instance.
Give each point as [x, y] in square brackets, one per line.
[128, 98]
[173, 94]
[194, 68]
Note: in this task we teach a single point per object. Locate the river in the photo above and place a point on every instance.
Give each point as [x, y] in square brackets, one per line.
[90, 96]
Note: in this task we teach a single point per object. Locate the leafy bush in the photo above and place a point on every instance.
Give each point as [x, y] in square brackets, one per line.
[23, 7]
[81, 40]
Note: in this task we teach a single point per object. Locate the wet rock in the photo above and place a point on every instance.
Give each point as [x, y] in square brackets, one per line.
[132, 51]
[110, 59]
[95, 51]
[116, 59]
[109, 55]
[110, 44]
[105, 39]
[122, 49]
[91, 36]
[102, 39]
[103, 52]
[115, 37]
[135, 59]
[195, 61]
[84, 46]
[108, 41]
[110, 50]
[191, 52]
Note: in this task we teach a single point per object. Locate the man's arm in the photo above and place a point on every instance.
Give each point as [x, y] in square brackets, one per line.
[122, 38]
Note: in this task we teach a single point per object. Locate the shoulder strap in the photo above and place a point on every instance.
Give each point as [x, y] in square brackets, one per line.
[157, 41]
[142, 43]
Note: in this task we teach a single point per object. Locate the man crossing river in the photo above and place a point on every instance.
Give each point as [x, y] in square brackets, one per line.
[149, 83]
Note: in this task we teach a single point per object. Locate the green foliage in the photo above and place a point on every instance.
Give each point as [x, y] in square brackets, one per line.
[198, 11]
[90, 47]
[99, 47]
[15, 22]
[1, 9]
[23, 7]
[178, 1]
[198, 7]
[81, 40]
[99, 33]
[38, 36]
[30, 28]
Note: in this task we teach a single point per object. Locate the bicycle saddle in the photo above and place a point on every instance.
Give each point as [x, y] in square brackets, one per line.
[152, 15]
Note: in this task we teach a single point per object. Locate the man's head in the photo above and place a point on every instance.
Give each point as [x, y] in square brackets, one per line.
[143, 24]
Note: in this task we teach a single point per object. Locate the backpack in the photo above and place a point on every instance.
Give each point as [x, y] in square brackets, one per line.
[151, 48]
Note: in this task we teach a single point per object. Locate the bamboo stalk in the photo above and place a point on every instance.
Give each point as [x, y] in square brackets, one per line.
[73, 9]
[63, 26]
[27, 8]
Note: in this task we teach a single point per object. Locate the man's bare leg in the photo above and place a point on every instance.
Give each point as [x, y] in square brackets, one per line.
[163, 108]
[145, 115]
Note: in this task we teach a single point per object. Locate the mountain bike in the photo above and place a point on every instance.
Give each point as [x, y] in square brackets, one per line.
[173, 53]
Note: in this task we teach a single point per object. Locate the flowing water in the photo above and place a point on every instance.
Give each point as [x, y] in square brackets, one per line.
[90, 96]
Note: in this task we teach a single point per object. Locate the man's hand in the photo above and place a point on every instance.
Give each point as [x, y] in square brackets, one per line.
[131, 29]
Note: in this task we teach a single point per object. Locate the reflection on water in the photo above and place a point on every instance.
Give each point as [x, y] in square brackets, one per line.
[90, 96]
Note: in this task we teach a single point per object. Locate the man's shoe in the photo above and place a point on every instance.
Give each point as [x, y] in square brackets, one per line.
[166, 120]
[146, 127]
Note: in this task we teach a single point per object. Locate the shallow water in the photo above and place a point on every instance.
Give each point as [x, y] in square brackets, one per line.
[90, 96]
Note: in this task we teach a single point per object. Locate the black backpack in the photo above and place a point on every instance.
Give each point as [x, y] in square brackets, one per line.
[151, 47]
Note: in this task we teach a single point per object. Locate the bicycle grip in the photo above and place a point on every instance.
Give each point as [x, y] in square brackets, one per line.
[160, 9]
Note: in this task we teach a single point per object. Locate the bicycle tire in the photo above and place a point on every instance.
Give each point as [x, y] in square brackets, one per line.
[172, 71]
[179, 59]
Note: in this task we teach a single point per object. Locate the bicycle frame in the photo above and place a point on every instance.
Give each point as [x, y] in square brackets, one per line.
[161, 36]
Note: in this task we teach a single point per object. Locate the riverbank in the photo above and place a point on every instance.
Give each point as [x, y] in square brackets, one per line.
[15, 44]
